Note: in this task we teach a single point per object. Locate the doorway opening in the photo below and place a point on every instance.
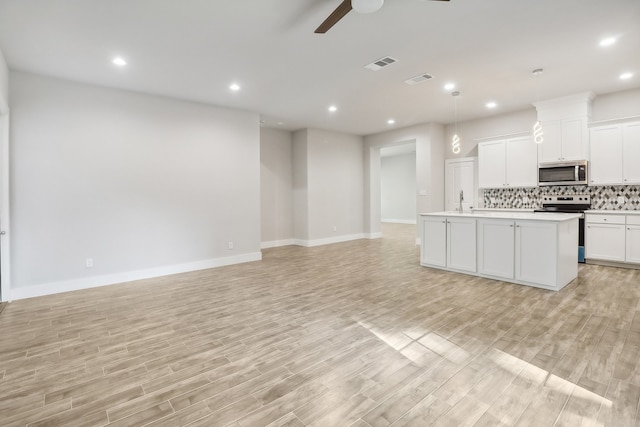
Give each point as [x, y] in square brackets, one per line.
[398, 204]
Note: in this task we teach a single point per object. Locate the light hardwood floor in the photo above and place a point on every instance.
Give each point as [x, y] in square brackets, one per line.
[351, 334]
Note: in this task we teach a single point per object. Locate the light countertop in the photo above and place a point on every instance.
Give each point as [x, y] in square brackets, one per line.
[612, 212]
[502, 209]
[525, 215]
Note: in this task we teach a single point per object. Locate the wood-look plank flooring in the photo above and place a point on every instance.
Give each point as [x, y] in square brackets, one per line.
[351, 334]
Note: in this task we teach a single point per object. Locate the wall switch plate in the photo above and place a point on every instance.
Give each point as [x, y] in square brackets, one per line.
[621, 200]
[335, 228]
[230, 245]
[88, 263]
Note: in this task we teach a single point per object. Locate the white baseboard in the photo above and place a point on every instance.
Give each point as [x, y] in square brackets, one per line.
[377, 235]
[399, 221]
[112, 279]
[277, 243]
[329, 240]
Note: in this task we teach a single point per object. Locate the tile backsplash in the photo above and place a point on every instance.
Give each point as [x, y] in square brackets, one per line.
[602, 197]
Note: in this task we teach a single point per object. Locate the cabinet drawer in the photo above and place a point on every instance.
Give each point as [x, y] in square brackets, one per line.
[633, 219]
[604, 219]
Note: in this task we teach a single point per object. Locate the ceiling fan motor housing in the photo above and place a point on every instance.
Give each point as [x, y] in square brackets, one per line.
[366, 6]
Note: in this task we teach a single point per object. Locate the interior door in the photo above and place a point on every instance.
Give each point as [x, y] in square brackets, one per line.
[5, 294]
[460, 176]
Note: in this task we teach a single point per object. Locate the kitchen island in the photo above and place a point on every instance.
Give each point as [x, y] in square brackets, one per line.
[535, 249]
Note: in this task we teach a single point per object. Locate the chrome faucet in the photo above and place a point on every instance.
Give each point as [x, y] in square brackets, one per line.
[461, 200]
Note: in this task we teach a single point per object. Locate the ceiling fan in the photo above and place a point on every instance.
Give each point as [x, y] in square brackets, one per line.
[361, 6]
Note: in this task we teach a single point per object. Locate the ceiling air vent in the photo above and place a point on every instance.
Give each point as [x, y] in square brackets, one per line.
[380, 63]
[418, 79]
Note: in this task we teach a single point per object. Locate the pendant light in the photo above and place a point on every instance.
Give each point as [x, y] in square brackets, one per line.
[455, 141]
[366, 6]
[538, 135]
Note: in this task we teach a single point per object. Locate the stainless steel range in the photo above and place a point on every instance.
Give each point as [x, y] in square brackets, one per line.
[569, 203]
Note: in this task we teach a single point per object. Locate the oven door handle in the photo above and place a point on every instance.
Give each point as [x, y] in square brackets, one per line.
[576, 174]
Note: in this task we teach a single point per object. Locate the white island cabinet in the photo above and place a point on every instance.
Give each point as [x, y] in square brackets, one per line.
[447, 245]
[496, 243]
[535, 249]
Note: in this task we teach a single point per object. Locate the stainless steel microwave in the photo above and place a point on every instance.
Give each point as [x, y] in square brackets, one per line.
[563, 173]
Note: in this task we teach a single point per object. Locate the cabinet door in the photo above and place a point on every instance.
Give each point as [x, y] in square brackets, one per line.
[551, 148]
[496, 240]
[574, 139]
[536, 252]
[606, 155]
[631, 153]
[461, 244]
[521, 162]
[491, 164]
[633, 243]
[460, 176]
[433, 242]
[605, 242]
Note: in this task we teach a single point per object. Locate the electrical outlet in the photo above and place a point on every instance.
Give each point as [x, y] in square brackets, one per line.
[88, 263]
[335, 228]
[230, 246]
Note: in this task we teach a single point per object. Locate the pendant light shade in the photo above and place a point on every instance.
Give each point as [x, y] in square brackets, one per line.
[366, 6]
[455, 141]
[538, 135]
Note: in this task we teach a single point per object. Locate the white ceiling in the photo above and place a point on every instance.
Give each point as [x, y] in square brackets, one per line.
[193, 49]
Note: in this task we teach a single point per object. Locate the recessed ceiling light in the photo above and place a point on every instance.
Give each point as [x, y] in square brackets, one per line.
[333, 108]
[234, 87]
[449, 86]
[120, 62]
[391, 121]
[626, 76]
[491, 104]
[280, 123]
[607, 41]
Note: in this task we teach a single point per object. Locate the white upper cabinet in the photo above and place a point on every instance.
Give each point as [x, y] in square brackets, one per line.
[565, 128]
[565, 139]
[507, 163]
[606, 155]
[522, 162]
[492, 164]
[615, 154]
[631, 153]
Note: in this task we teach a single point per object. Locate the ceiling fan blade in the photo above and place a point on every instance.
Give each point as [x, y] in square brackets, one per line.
[342, 9]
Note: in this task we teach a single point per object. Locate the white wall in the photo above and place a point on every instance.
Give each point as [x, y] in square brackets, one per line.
[616, 105]
[398, 188]
[429, 140]
[335, 175]
[503, 124]
[276, 187]
[327, 187]
[4, 84]
[300, 187]
[143, 185]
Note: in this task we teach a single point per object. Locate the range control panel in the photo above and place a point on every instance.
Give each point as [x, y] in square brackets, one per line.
[569, 199]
